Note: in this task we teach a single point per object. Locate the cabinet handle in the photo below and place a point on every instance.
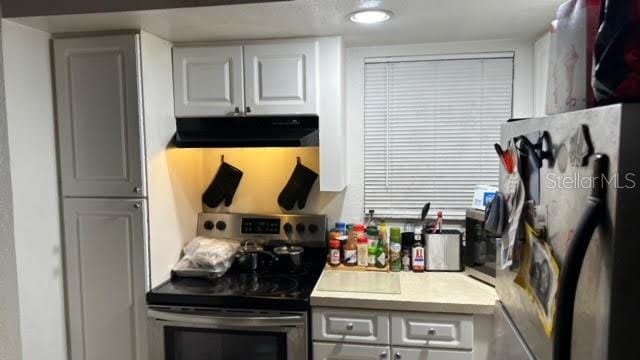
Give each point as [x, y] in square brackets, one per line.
[431, 331]
[248, 109]
[397, 356]
[136, 206]
[137, 189]
[383, 355]
[349, 326]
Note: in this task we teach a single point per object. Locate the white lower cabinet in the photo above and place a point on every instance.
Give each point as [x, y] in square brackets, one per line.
[340, 351]
[353, 334]
[429, 354]
[105, 278]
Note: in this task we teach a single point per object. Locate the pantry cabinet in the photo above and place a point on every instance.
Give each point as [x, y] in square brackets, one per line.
[104, 167]
[208, 81]
[105, 278]
[99, 117]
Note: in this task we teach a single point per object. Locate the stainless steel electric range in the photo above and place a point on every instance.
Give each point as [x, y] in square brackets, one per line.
[255, 312]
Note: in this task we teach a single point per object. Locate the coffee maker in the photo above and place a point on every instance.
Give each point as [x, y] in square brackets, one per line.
[480, 245]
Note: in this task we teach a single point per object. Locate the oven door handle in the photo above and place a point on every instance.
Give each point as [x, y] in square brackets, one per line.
[235, 321]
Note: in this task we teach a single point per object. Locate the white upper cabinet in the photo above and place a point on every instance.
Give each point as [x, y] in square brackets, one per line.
[281, 77]
[99, 116]
[207, 81]
[270, 77]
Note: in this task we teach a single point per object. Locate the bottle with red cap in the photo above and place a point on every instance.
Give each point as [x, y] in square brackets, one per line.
[334, 252]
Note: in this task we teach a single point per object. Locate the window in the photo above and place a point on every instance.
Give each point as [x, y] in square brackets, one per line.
[430, 125]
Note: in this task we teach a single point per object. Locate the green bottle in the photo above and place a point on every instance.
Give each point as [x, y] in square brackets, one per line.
[381, 255]
[395, 248]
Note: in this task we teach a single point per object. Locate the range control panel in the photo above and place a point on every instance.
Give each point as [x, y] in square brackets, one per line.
[260, 226]
[310, 230]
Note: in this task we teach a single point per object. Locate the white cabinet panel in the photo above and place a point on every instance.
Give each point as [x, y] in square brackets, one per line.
[332, 351]
[429, 354]
[105, 278]
[432, 330]
[208, 81]
[281, 77]
[99, 119]
[350, 325]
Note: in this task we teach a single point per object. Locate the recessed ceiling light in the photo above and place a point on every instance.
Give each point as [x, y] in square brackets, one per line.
[370, 16]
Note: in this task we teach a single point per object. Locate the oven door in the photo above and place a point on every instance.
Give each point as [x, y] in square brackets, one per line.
[194, 334]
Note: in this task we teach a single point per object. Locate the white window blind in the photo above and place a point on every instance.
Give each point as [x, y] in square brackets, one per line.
[430, 126]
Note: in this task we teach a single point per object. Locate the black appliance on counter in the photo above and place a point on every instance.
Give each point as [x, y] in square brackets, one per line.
[266, 306]
[479, 255]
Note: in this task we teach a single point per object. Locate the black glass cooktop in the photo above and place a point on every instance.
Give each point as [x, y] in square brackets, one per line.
[268, 288]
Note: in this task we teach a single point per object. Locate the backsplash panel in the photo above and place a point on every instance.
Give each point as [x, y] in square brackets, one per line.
[265, 173]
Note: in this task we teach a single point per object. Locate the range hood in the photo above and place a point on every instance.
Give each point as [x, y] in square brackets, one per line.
[247, 131]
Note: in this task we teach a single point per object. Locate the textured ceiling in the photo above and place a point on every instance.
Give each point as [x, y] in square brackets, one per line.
[414, 21]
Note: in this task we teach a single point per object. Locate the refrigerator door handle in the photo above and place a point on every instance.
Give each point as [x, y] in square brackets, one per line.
[570, 273]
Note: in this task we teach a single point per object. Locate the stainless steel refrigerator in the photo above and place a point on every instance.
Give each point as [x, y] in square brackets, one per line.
[570, 291]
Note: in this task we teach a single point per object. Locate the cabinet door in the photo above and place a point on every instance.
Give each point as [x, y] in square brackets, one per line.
[207, 81]
[333, 351]
[281, 77]
[99, 117]
[429, 354]
[105, 275]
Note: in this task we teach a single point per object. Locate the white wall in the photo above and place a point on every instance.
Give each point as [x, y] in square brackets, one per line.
[9, 308]
[353, 207]
[174, 176]
[541, 51]
[266, 171]
[30, 117]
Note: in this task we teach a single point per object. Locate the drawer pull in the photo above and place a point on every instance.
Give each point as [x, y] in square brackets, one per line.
[397, 356]
[383, 355]
[349, 326]
[431, 331]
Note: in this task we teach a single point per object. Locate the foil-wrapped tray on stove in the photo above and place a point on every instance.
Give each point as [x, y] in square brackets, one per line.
[185, 268]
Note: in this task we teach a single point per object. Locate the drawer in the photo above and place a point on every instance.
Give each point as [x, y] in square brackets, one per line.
[429, 354]
[432, 330]
[339, 351]
[347, 325]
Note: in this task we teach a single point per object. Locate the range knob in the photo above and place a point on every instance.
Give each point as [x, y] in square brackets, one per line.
[300, 228]
[313, 228]
[221, 225]
[208, 225]
[287, 228]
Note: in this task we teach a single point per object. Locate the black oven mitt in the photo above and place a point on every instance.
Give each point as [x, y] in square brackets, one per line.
[496, 216]
[223, 186]
[297, 188]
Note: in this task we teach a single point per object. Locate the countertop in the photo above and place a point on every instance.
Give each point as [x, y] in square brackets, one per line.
[425, 292]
